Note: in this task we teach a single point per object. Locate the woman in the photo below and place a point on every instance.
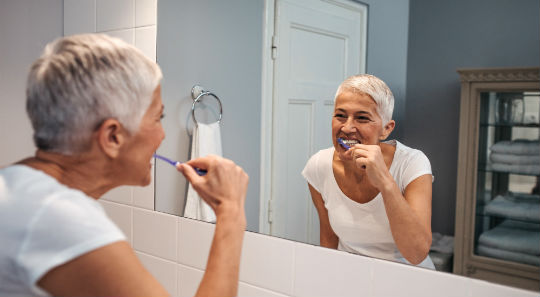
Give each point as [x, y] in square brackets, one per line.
[95, 107]
[373, 199]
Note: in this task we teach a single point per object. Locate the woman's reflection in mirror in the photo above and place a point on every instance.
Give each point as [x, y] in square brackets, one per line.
[373, 199]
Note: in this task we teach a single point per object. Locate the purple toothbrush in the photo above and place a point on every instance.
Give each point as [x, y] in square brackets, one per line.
[199, 171]
[345, 146]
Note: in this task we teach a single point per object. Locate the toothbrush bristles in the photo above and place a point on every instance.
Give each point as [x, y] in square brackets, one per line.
[342, 143]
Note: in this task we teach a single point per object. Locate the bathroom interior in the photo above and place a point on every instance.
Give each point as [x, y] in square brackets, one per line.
[230, 49]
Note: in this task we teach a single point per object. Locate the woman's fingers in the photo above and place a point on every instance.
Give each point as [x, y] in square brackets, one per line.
[225, 182]
[361, 162]
[188, 171]
[365, 155]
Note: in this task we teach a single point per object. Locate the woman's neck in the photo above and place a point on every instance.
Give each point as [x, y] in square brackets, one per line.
[82, 172]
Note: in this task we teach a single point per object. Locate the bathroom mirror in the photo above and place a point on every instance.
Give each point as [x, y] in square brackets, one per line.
[414, 46]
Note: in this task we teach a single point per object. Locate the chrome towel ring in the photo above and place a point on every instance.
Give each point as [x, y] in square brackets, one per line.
[197, 93]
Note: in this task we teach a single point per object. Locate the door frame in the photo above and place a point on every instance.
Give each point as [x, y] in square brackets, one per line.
[267, 97]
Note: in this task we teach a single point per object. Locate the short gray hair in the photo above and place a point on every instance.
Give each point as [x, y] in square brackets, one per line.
[80, 81]
[375, 88]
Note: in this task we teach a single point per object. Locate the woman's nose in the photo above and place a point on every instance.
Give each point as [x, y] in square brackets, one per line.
[349, 126]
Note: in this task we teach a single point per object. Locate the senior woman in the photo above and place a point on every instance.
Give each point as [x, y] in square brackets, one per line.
[95, 107]
[373, 199]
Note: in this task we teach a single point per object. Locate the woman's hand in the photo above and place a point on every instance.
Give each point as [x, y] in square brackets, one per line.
[369, 158]
[224, 185]
[224, 189]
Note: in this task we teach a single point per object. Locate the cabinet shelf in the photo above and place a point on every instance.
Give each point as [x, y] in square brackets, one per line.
[497, 236]
[500, 217]
[487, 167]
[501, 125]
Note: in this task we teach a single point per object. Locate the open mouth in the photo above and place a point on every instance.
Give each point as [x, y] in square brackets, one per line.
[350, 142]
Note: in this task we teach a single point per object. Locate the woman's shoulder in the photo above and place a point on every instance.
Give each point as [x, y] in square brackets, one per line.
[317, 167]
[29, 192]
[404, 152]
[322, 155]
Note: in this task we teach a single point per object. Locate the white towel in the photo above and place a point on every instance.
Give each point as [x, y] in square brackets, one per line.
[513, 236]
[518, 147]
[532, 169]
[514, 208]
[206, 140]
[514, 158]
[492, 252]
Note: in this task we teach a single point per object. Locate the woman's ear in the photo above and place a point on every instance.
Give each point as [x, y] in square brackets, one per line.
[387, 129]
[111, 137]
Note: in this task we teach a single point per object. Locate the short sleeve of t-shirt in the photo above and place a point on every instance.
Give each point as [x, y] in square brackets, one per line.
[416, 165]
[67, 226]
[311, 174]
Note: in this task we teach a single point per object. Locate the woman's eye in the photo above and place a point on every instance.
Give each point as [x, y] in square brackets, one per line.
[363, 118]
[338, 115]
[162, 116]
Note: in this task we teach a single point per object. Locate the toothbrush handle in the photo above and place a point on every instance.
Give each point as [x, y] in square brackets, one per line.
[346, 147]
[200, 172]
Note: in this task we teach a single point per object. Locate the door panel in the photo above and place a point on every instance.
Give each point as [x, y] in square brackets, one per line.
[319, 43]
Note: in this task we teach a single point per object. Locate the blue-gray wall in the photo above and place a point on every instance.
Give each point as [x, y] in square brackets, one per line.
[445, 36]
[217, 44]
[388, 24]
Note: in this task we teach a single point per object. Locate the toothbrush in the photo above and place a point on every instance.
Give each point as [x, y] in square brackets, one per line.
[345, 146]
[199, 171]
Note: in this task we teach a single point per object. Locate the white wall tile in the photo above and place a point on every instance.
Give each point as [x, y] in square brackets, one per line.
[164, 271]
[188, 280]
[145, 40]
[194, 240]
[483, 288]
[268, 262]
[326, 272]
[155, 233]
[408, 280]
[248, 290]
[79, 16]
[114, 14]
[145, 12]
[127, 35]
[144, 196]
[121, 215]
[120, 195]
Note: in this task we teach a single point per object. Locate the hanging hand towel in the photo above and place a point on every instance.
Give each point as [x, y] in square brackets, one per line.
[206, 140]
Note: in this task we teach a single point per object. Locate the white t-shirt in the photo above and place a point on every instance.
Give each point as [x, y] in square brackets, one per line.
[44, 224]
[363, 228]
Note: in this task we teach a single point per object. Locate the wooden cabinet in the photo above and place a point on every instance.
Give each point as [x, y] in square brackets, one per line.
[497, 231]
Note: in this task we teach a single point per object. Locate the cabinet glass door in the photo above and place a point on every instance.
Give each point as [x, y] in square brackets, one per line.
[507, 221]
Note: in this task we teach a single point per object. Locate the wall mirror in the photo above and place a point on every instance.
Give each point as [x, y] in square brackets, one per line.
[227, 47]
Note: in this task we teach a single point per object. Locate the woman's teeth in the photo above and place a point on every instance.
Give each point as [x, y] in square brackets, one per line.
[350, 142]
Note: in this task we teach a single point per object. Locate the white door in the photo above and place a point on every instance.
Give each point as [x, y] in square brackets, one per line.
[319, 43]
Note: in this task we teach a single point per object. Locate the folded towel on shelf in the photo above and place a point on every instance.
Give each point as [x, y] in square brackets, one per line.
[516, 196]
[513, 236]
[514, 159]
[531, 169]
[518, 147]
[508, 255]
[442, 243]
[513, 207]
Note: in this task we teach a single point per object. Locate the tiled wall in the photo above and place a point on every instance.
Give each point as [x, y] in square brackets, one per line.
[175, 249]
